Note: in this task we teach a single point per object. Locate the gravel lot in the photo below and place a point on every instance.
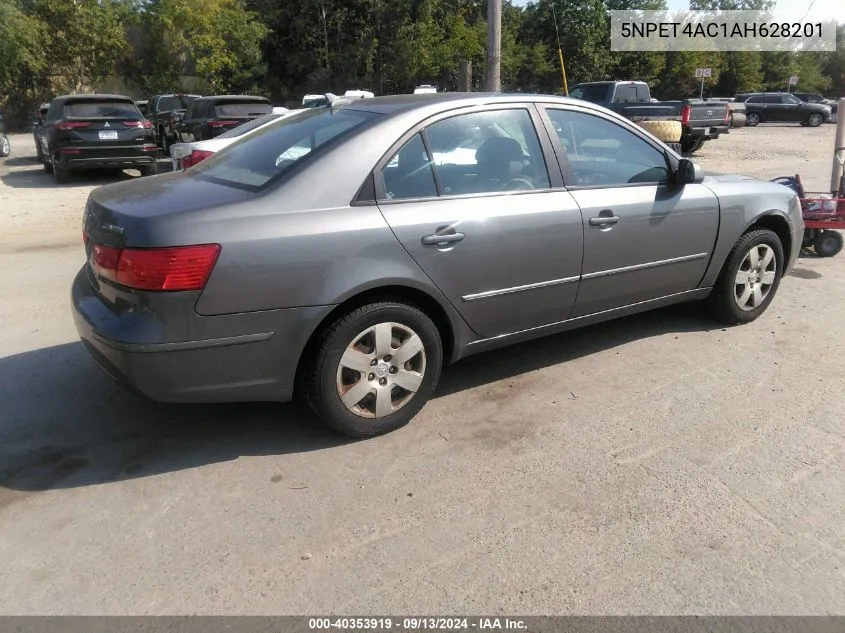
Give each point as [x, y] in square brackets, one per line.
[654, 465]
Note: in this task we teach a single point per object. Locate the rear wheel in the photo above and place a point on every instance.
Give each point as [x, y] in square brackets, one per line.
[752, 119]
[374, 369]
[60, 174]
[165, 143]
[39, 155]
[815, 119]
[749, 279]
[5, 146]
[828, 243]
[148, 170]
[691, 145]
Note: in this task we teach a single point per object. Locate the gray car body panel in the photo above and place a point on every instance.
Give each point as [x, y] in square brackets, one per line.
[531, 263]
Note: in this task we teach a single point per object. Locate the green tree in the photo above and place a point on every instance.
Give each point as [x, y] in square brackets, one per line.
[833, 65]
[23, 39]
[87, 37]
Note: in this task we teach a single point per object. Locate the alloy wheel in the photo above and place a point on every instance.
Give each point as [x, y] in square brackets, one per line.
[752, 119]
[755, 277]
[381, 370]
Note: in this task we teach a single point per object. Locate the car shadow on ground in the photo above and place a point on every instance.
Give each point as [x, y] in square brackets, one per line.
[37, 178]
[64, 424]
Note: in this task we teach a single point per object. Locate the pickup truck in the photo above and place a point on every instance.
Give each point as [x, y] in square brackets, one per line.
[166, 112]
[700, 120]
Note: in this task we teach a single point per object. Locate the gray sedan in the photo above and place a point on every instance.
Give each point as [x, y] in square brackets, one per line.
[351, 250]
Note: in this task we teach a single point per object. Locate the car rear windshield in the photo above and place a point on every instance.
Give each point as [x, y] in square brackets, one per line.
[167, 104]
[263, 156]
[243, 128]
[596, 93]
[243, 108]
[101, 109]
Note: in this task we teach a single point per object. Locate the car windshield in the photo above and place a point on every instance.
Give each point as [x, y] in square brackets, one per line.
[93, 109]
[242, 108]
[256, 161]
[180, 102]
[249, 126]
[595, 92]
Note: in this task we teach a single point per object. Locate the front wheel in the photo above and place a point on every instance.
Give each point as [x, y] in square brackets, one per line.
[5, 146]
[749, 279]
[828, 243]
[815, 119]
[374, 369]
[752, 119]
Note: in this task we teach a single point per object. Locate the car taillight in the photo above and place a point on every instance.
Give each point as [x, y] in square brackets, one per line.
[221, 123]
[194, 157]
[686, 114]
[71, 125]
[147, 125]
[157, 269]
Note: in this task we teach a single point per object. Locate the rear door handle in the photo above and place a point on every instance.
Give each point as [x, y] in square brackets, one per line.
[605, 220]
[446, 238]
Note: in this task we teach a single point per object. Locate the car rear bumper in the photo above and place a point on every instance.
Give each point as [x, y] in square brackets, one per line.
[710, 132]
[99, 158]
[178, 356]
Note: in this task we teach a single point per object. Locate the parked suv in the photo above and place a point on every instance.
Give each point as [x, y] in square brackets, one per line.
[777, 107]
[37, 122]
[211, 116]
[166, 112]
[96, 131]
[5, 147]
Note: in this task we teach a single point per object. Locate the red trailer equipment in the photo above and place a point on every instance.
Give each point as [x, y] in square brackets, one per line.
[824, 217]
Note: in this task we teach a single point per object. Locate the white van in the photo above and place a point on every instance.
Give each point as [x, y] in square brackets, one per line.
[425, 90]
[358, 94]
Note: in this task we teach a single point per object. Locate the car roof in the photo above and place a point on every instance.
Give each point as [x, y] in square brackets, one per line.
[94, 97]
[397, 104]
[234, 98]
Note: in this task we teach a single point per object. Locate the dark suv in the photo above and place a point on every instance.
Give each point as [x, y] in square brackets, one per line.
[211, 116]
[777, 107]
[166, 112]
[96, 132]
[37, 122]
[5, 147]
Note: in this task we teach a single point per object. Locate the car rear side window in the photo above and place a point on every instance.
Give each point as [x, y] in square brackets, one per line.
[247, 108]
[166, 104]
[408, 174]
[101, 109]
[266, 154]
[755, 99]
[602, 153]
[487, 152]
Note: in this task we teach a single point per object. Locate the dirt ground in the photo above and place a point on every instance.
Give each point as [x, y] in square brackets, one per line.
[660, 464]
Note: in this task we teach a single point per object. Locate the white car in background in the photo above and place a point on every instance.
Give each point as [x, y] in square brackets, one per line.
[184, 155]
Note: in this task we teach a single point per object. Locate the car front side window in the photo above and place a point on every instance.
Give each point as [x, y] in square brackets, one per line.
[602, 153]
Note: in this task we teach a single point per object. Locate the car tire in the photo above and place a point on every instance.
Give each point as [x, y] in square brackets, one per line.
[691, 145]
[815, 119]
[149, 170]
[48, 166]
[60, 175]
[744, 289]
[39, 155]
[752, 119]
[666, 131]
[5, 146]
[390, 394]
[828, 243]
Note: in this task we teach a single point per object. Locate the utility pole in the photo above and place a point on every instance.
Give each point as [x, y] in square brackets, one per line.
[494, 45]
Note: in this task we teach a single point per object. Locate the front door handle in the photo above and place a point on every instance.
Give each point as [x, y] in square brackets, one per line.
[605, 220]
[446, 238]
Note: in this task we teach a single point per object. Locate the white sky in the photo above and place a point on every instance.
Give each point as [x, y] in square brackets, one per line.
[819, 9]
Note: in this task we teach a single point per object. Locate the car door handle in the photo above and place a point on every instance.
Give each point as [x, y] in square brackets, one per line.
[605, 220]
[446, 238]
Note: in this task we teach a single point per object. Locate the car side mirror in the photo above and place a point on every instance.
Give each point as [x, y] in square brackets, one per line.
[687, 172]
